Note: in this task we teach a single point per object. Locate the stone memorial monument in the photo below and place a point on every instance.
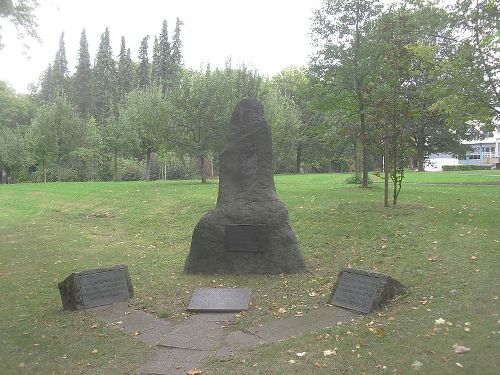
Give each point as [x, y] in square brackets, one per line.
[249, 230]
[364, 291]
[98, 287]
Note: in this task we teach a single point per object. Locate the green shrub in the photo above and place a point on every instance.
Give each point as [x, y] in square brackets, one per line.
[466, 167]
[357, 179]
[130, 170]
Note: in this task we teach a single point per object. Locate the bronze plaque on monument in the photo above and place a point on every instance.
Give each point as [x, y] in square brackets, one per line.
[246, 238]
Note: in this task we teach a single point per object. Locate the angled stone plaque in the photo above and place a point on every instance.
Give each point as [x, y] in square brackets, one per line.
[246, 238]
[364, 291]
[220, 300]
[97, 287]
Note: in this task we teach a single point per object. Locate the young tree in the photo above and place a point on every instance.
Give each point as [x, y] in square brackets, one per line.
[14, 156]
[55, 133]
[143, 70]
[91, 150]
[82, 80]
[390, 102]
[344, 59]
[148, 112]
[103, 82]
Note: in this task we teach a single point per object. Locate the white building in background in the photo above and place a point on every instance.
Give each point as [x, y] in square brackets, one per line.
[435, 162]
[481, 152]
[484, 151]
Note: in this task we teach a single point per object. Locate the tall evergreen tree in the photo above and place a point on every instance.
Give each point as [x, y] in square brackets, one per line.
[155, 77]
[176, 54]
[143, 72]
[104, 105]
[125, 72]
[164, 66]
[60, 69]
[47, 89]
[82, 80]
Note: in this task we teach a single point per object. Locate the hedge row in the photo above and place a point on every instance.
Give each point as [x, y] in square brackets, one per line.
[466, 167]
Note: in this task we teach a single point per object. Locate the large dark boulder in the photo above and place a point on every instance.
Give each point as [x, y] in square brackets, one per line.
[247, 195]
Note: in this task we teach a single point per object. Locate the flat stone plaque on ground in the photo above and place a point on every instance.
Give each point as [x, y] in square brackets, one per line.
[246, 238]
[97, 287]
[220, 300]
[364, 291]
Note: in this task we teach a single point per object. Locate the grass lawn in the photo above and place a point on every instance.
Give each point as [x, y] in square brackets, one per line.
[442, 242]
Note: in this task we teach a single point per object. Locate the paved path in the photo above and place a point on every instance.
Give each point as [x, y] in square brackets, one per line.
[179, 347]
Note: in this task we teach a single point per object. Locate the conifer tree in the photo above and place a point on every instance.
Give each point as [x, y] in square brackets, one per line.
[47, 90]
[60, 69]
[143, 72]
[164, 66]
[82, 80]
[104, 105]
[155, 78]
[176, 54]
[125, 72]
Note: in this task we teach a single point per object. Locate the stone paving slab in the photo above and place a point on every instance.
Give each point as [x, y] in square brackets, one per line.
[199, 332]
[284, 328]
[149, 327]
[171, 361]
[237, 341]
[179, 347]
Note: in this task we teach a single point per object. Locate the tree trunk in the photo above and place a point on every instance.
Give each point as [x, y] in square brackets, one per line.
[299, 158]
[202, 170]
[362, 128]
[357, 163]
[386, 164]
[361, 100]
[420, 151]
[148, 164]
[44, 174]
[115, 165]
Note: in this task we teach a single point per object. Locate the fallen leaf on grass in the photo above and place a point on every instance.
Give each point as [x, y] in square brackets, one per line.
[473, 257]
[433, 259]
[94, 351]
[459, 349]
[459, 364]
[281, 310]
[439, 321]
[194, 371]
[291, 361]
[94, 326]
[417, 364]
[329, 352]
[137, 333]
[300, 354]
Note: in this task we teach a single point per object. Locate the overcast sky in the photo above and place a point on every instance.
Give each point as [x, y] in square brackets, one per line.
[268, 35]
